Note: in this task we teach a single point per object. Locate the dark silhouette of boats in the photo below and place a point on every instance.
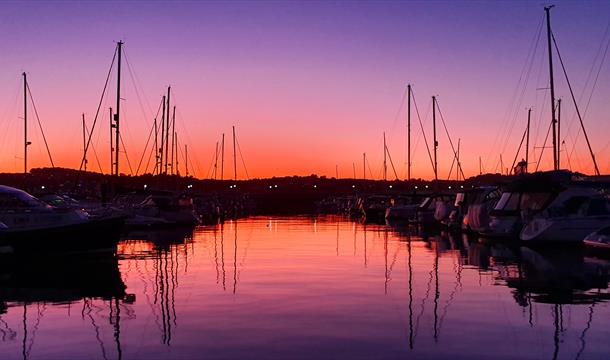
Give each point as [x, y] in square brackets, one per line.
[59, 278]
[27, 225]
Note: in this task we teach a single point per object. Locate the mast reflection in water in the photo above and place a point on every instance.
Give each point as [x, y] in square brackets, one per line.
[303, 287]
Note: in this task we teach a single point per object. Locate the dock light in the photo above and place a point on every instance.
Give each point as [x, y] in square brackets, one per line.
[189, 186]
[426, 186]
[461, 186]
[353, 186]
[270, 187]
[390, 186]
[42, 187]
[415, 187]
[275, 185]
[145, 186]
[315, 186]
[449, 187]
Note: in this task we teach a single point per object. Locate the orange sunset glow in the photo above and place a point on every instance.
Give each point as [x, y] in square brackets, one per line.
[308, 91]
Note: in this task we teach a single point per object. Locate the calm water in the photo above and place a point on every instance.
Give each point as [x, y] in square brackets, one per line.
[286, 288]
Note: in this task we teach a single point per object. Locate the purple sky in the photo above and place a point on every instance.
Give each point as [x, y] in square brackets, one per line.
[309, 85]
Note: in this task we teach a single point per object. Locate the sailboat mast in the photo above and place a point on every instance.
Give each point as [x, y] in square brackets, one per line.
[409, 132]
[558, 134]
[162, 137]
[457, 158]
[111, 145]
[527, 141]
[25, 123]
[501, 165]
[385, 164]
[222, 157]
[552, 84]
[434, 135]
[172, 161]
[177, 172]
[156, 149]
[364, 166]
[234, 156]
[186, 159]
[167, 129]
[118, 110]
[216, 162]
[84, 143]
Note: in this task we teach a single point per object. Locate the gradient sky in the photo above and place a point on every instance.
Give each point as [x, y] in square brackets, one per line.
[308, 85]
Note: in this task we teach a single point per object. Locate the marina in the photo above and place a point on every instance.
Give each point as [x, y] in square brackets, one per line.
[232, 180]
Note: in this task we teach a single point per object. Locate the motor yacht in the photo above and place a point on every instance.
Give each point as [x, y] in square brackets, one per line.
[29, 225]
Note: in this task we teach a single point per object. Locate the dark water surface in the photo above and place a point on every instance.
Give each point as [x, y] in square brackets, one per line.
[303, 288]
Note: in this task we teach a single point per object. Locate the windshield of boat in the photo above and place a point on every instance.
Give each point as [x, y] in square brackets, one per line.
[424, 204]
[581, 205]
[535, 201]
[19, 200]
[459, 199]
[508, 201]
[511, 201]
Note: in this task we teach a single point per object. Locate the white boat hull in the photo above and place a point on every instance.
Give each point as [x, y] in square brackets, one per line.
[562, 229]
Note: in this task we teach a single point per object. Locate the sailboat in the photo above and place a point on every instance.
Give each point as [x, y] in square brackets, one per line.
[577, 211]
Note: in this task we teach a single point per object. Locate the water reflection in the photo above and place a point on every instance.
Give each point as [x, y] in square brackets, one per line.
[284, 287]
[34, 284]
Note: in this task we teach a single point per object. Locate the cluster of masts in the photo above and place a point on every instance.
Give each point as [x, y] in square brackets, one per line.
[219, 154]
[166, 148]
[166, 160]
[433, 159]
[522, 166]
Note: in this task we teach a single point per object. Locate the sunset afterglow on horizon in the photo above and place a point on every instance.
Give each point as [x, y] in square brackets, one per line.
[309, 86]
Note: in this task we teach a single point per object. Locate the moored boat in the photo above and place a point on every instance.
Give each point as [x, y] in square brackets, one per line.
[572, 215]
[598, 242]
[31, 226]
